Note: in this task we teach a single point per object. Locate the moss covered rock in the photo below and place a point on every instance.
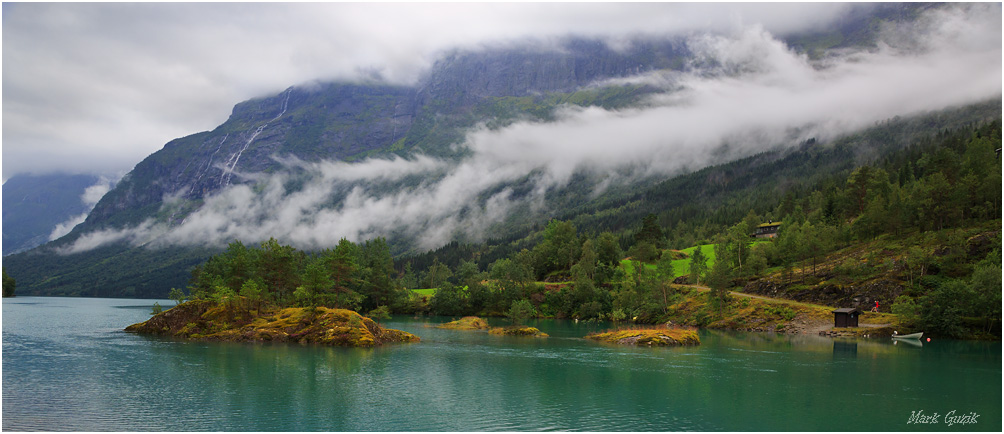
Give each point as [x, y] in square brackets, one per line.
[209, 321]
[466, 323]
[649, 337]
[518, 331]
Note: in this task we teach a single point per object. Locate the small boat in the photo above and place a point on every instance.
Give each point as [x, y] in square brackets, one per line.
[896, 335]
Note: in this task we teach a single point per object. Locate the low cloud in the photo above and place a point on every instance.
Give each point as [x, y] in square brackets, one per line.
[745, 93]
[89, 198]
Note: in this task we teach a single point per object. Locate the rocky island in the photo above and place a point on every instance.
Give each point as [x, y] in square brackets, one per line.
[476, 323]
[205, 320]
[518, 330]
[649, 336]
[465, 323]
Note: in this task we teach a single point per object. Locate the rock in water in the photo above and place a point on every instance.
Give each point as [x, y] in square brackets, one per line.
[465, 323]
[649, 337]
[235, 322]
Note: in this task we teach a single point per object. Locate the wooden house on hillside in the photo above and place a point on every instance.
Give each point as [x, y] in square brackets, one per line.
[766, 230]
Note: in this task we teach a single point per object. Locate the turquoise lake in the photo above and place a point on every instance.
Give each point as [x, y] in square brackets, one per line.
[68, 366]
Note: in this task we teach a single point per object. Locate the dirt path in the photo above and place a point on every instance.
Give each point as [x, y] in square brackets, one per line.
[802, 324]
[761, 297]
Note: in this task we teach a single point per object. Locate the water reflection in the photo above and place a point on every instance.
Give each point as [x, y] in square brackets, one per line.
[845, 348]
[908, 342]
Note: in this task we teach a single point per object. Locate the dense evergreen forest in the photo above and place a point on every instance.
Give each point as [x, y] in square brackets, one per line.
[926, 217]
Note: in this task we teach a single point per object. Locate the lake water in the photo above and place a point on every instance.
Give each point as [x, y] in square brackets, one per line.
[68, 366]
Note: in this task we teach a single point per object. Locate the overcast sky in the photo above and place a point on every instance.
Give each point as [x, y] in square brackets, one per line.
[95, 88]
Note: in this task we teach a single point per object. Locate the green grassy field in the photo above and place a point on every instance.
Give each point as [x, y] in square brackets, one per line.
[681, 267]
[426, 292]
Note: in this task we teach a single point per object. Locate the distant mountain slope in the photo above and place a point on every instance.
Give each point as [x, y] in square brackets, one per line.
[33, 205]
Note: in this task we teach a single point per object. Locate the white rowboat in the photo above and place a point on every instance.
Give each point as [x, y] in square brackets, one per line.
[909, 336]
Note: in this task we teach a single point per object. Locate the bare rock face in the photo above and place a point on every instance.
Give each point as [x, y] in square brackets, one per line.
[235, 322]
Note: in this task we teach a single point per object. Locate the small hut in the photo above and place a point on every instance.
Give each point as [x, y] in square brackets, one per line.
[846, 317]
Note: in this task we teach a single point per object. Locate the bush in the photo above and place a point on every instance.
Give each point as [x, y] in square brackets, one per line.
[942, 311]
[520, 311]
[906, 309]
[590, 310]
[304, 297]
[177, 295]
[381, 312]
[783, 312]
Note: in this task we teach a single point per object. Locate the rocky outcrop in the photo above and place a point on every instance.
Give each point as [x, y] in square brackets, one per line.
[649, 337]
[518, 330]
[209, 321]
[476, 323]
[465, 323]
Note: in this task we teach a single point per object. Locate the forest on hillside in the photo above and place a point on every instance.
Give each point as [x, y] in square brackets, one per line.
[926, 218]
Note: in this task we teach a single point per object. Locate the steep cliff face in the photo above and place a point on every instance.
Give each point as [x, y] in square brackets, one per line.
[330, 121]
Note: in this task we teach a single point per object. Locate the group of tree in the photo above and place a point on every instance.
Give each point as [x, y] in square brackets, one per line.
[8, 284]
[351, 276]
[566, 275]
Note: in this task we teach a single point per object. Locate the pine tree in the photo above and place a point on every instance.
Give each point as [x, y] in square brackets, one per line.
[698, 265]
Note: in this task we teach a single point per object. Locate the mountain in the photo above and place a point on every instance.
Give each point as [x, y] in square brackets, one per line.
[352, 121]
[33, 205]
[433, 162]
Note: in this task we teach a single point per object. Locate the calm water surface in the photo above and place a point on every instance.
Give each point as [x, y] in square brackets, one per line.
[68, 366]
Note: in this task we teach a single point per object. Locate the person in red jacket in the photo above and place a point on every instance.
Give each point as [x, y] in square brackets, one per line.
[875, 309]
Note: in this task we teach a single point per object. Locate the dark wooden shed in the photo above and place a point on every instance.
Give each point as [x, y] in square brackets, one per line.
[846, 317]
